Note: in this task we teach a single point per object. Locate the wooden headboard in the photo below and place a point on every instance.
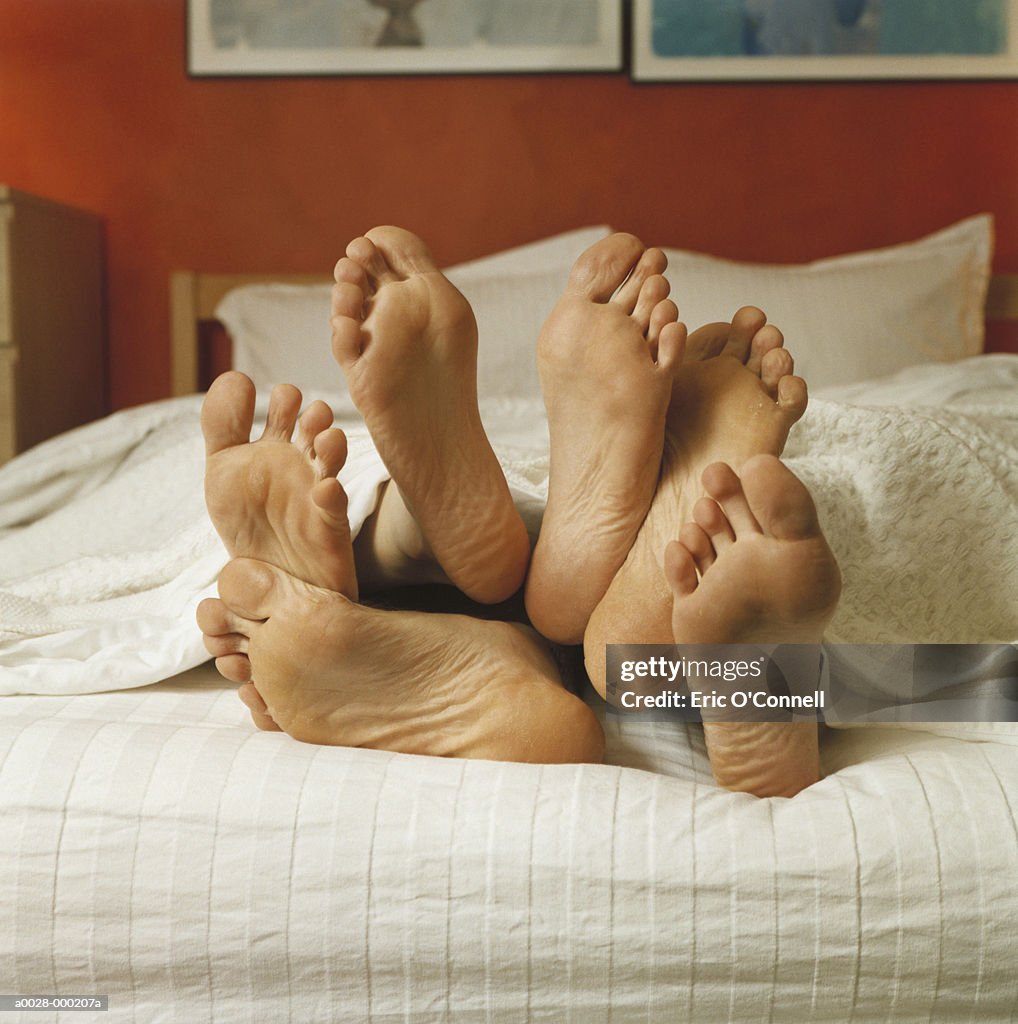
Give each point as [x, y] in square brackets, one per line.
[195, 296]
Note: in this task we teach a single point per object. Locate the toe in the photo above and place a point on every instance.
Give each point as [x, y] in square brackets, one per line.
[347, 340]
[252, 700]
[671, 346]
[330, 451]
[315, 420]
[603, 267]
[653, 291]
[764, 341]
[228, 412]
[225, 645]
[697, 543]
[663, 314]
[284, 405]
[706, 342]
[651, 264]
[402, 251]
[680, 570]
[792, 397]
[255, 591]
[215, 619]
[775, 364]
[722, 484]
[348, 271]
[779, 500]
[347, 301]
[330, 499]
[708, 516]
[248, 588]
[367, 255]
[745, 324]
[235, 667]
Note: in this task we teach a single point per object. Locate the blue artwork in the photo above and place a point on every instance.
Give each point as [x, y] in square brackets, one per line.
[739, 28]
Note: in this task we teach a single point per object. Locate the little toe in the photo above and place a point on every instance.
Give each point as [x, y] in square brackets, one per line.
[765, 340]
[663, 314]
[680, 570]
[228, 412]
[348, 271]
[331, 500]
[602, 268]
[364, 252]
[347, 300]
[779, 499]
[775, 364]
[671, 345]
[792, 397]
[651, 264]
[707, 514]
[653, 291]
[315, 419]
[284, 405]
[745, 324]
[252, 700]
[722, 484]
[330, 451]
[695, 540]
[235, 667]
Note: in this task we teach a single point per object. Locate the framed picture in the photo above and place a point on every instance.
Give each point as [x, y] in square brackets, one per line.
[824, 39]
[397, 37]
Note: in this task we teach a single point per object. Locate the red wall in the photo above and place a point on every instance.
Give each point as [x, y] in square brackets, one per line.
[263, 175]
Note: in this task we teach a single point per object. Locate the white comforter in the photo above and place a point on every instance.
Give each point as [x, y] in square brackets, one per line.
[106, 548]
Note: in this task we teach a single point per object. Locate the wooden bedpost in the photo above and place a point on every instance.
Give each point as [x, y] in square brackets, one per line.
[183, 333]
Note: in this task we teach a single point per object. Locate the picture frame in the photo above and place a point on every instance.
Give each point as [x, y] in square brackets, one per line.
[754, 40]
[402, 37]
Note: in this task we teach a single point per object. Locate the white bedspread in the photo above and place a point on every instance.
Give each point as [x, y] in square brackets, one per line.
[106, 549]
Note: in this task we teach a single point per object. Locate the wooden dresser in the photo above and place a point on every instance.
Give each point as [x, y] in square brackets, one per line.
[52, 320]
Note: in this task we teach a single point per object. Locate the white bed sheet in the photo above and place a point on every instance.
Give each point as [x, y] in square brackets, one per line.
[158, 849]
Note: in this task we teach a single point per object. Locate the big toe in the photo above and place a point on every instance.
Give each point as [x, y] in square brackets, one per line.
[403, 250]
[602, 268]
[228, 412]
[253, 589]
[779, 499]
[745, 324]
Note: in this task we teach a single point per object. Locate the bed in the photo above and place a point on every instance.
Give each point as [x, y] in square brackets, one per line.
[160, 850]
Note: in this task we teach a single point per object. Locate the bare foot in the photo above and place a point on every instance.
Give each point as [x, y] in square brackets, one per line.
[720, 411]
[606, 356]
[748, 338]
[276, 499]
[334, 672]
[407, 341]
[754, 566]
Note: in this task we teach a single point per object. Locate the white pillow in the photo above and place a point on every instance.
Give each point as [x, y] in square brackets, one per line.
[860, 316]
[281, 332]
[846, 319]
